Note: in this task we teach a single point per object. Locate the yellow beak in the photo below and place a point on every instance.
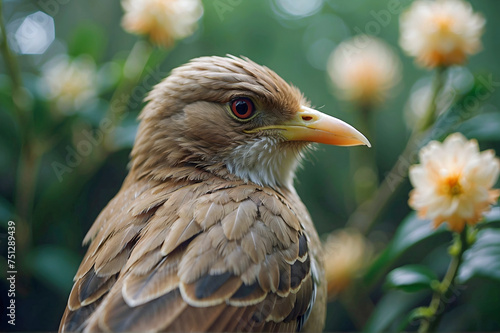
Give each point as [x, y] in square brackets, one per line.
[313, 126]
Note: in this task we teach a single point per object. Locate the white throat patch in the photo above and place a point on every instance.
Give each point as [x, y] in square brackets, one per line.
[266, 161]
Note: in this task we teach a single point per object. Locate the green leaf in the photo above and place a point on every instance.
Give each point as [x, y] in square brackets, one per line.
[482, 127]
[411, 278]
[392, 310]
[483, 258]
[493, 216]
[491, 219]
[410, 232]
[461, 112]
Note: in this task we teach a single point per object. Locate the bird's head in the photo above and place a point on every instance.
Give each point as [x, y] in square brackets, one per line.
[233, 118]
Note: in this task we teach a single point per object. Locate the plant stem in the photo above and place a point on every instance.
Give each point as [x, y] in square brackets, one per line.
[369, 212]
[26, 177]
[22, 111]
[440, 296]
[430, 115]
[364, 166]
[10, 60]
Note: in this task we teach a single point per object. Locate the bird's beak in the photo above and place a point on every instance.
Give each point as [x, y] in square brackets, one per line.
[313, 126]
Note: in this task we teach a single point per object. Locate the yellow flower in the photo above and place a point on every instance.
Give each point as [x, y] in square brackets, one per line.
[441, 33]
[364, 69]
[454, 182]
[70, 83]
[346, 253]
[163, 20]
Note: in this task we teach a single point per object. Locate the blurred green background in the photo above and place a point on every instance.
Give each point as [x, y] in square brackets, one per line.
[295, 41]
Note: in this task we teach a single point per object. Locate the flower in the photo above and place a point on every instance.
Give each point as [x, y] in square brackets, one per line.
[454, 182]
[441, 33]
[70, 83]
[163, 20]
[346, 253]
[364, 69]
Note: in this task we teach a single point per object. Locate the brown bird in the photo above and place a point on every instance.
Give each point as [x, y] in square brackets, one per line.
[207, 232]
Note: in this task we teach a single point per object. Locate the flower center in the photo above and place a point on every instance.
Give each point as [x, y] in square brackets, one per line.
[453, 186]
[444, 22]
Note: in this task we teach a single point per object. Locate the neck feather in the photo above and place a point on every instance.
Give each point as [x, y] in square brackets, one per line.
[266, 161]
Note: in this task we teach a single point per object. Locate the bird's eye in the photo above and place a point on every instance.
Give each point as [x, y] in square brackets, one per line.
[242, 107]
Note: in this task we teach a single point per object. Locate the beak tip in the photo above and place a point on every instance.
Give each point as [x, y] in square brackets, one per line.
[363, 141]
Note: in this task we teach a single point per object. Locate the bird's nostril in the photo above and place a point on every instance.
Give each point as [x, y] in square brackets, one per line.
[307, 118]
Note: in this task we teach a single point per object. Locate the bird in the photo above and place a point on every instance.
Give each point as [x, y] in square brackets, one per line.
[207, 233]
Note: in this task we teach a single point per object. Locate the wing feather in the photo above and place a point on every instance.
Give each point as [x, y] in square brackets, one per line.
[213, 256]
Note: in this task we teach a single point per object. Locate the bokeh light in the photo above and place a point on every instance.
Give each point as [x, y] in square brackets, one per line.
[297, 8]
[35, 34]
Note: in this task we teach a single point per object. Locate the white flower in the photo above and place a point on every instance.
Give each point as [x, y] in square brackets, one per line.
[454, 182]
[347, 252]
[163, 20]
[441, 33]
[70, 83]
[364, 69]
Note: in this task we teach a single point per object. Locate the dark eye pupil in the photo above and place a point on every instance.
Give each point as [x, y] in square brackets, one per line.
[241, 107]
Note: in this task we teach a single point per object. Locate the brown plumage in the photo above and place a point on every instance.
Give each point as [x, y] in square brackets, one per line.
[207, 232]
